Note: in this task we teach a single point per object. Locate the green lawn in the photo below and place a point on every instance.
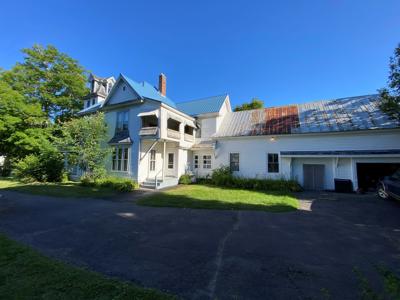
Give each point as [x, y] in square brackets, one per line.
[69, 189]
[211, 197]
[26, 274]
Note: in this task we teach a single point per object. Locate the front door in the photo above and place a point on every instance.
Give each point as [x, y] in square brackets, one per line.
[313, 177]
[170, 164]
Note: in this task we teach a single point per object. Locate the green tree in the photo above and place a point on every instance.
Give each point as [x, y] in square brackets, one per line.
[51, 79]
[23, 126]
[253, 104]
[390, 96]
[83, 141]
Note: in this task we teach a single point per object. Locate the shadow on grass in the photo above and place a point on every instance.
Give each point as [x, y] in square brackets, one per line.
[185, 201]
[69, 189]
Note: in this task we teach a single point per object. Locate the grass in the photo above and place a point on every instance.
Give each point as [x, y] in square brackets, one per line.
[26, 274]
[68, 189]
[212, 197]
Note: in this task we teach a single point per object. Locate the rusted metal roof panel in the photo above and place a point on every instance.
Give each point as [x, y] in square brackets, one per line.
[345, 114]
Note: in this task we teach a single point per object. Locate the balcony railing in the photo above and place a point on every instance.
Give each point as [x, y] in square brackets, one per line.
[189, 137]
[148, 131]
[173, 134]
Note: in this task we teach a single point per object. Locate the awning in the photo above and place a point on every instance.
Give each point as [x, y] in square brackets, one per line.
[121, 137]
[190, 123]
[341, 152]
[175, 118]
[149, 113]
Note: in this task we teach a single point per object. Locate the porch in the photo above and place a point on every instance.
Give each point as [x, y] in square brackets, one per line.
[161, 163]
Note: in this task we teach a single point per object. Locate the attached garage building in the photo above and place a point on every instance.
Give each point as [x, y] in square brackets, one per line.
[343, 140]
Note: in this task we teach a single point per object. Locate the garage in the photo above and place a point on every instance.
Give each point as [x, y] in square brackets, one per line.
[369, 174]
[313, 177]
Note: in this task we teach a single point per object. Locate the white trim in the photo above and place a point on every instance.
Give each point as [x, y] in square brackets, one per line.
[150, 113]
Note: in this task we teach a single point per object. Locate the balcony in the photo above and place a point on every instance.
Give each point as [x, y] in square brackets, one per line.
[189, 138]
[148, 131]
[189, 133]
[173, 129]
[149, 124]
[173, 134]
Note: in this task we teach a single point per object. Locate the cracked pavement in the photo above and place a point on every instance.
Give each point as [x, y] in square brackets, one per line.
[216, 254]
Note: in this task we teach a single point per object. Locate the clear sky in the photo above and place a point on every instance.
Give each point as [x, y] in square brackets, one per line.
[279, 51]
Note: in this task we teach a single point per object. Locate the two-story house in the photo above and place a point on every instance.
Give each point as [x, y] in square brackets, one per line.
[155, 140]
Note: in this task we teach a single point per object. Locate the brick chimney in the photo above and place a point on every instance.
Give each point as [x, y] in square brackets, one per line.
[162, 84]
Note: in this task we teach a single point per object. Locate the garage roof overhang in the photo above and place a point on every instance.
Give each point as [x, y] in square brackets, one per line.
[342, 153]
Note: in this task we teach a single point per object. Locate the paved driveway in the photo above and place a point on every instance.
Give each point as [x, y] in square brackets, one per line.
[204, 254]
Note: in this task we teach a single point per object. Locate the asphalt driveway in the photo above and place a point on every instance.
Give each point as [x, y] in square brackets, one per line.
[207, 254]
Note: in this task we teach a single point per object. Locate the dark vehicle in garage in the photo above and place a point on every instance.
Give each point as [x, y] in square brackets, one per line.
[390, 186]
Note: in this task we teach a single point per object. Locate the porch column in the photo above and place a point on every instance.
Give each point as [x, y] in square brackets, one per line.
[163, 162]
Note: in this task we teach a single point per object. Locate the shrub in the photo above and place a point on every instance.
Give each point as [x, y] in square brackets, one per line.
[116, 183]
[185, 179]
[48, 166]
[224, 177]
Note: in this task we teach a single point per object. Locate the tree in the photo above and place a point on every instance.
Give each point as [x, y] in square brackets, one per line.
[253, 104]
[23, 126]
[83, 142]
[390, 96]
[51, 79]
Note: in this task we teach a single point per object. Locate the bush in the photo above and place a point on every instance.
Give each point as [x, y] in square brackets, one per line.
[116, 183]
[224, 177]
[48, 166]
[185, 179]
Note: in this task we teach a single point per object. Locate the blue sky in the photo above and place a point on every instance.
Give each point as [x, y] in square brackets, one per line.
[279, 51]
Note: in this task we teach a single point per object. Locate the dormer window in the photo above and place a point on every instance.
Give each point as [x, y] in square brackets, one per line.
[124, 88]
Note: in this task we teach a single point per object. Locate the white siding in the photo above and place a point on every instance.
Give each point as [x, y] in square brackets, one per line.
[253, 153]
[134, 126]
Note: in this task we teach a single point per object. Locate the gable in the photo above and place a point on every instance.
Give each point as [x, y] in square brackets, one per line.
[121, 92]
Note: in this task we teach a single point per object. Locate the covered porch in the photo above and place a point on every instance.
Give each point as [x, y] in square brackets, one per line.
[161, 163]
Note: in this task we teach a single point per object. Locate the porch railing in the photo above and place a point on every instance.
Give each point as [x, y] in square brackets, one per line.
[189, 137]
[173, 134]
[148, 131]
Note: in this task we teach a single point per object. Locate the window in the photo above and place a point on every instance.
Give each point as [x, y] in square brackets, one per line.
[206, 161]
[152, 160]
[234, 161]
[120, 158]
[124, 88]
[88, 103]
[122, 121]
[109, 87]
[196, 161]
[170, 160]
[273, 163]
[93, 101]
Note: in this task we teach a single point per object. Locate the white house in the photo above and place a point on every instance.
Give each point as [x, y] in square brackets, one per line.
[156, 140]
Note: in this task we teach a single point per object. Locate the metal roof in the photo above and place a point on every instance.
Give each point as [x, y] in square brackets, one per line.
[345, 114]
[203, 105]
[90, 109]
[146, 90]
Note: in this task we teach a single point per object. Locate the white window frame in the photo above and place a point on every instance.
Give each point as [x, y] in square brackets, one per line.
[152, 160]
[118, 159]
[236, 163]
[171, 164]
[277, 163]
[207, 161]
